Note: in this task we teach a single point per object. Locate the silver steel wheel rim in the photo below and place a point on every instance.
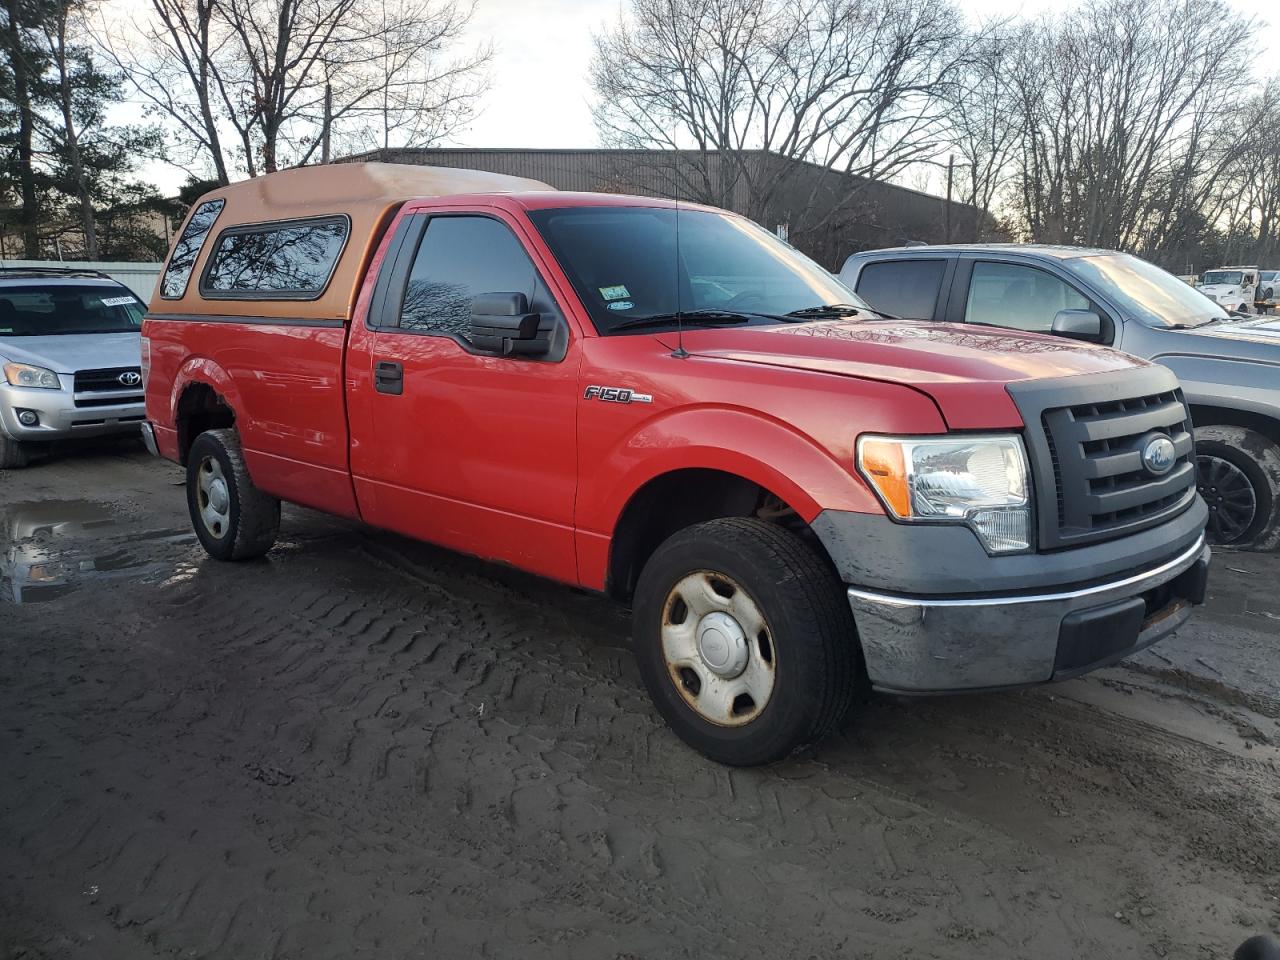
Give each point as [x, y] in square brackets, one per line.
[213, 497]
[718, 648]
[1229, 494]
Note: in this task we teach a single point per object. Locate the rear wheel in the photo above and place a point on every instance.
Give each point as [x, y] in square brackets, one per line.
[12, 454]
[232, 518]
[1239, 479]
[745, 640]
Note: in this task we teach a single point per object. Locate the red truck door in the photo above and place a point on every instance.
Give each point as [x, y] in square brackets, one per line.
[452, 444]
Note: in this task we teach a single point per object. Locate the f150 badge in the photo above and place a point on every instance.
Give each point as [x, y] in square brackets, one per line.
[616, 395]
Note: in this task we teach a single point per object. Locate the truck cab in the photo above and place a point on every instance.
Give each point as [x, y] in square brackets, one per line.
[798, 498]
[1234, 288]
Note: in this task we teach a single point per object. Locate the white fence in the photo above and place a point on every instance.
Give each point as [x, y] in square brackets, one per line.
[139, 277]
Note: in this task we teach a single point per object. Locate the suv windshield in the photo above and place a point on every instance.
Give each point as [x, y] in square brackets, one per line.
[626, 266]
[50, 309]
[1229, 277]
[1144, 291]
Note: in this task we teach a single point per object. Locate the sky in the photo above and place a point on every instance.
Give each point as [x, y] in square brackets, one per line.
[538, 95]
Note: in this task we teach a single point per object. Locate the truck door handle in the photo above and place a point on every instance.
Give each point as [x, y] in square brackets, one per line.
[388, 377]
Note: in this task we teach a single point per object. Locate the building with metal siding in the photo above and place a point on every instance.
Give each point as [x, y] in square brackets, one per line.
[825, 213]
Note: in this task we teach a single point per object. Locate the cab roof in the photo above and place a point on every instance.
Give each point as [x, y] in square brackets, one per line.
[1056, 251]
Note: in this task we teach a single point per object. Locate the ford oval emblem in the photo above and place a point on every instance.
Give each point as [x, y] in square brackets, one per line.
[1158, 456]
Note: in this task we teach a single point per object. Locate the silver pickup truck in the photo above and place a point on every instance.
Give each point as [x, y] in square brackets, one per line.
[70, 359]
[1229, 366]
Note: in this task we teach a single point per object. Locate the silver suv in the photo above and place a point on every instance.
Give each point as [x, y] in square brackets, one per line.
[1229, 366]
[70, 359]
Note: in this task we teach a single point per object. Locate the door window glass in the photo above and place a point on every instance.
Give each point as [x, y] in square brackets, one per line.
[276, 261]
[187, 249]
[458, 259]
[1019, 297]
[903, 288]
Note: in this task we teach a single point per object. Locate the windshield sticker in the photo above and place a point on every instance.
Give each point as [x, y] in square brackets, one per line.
[116, 301]
[621, 305]
[614, 293]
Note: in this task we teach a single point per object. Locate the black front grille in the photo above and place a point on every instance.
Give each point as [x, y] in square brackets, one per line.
[112, 401]
[1101, 484]
[104, 388]
[92, 381]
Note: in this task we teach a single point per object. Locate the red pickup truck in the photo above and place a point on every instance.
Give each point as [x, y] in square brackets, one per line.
[798, 497]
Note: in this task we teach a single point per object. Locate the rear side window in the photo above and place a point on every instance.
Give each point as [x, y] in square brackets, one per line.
[186, 251]
[290, 260]
[903, 288]
[458, 259]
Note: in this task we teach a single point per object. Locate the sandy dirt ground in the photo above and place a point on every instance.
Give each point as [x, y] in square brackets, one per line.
[362, 746]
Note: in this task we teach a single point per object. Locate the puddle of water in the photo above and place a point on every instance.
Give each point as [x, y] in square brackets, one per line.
[43, 555]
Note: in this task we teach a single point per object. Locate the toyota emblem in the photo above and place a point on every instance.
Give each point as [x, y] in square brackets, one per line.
[1158, 456]
[130, 378]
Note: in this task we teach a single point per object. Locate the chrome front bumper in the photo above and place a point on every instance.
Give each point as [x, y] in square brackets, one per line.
[59, 417]
[939, 644]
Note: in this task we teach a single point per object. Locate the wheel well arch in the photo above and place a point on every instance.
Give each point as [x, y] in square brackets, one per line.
[680, 498]
[1204, 415]
[200, 407]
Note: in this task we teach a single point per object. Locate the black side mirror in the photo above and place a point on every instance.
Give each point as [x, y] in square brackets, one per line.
[502, 323]
[1078, 325]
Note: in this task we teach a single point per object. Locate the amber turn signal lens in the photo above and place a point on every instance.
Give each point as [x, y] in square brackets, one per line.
[883, 464]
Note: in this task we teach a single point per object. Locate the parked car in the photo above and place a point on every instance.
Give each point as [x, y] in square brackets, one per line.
[1234, 288]
[1229, 367]
[1268, 289]
[71, 359]
[668, 404]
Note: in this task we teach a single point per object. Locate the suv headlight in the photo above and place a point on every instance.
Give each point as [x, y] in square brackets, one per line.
[980, 481]
[25, 375]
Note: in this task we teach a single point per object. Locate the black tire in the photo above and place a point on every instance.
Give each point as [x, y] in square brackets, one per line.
[1227, 456]
[808, 640]
[13, 454]
[247, 520]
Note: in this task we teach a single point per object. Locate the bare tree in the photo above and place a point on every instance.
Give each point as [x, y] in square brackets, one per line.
[401, 87]
[984, 123]
[747, 87]
[169, 58]
[1116, 100]
[281, 79]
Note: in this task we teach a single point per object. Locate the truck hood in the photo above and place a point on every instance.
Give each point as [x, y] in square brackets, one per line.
[964, 368]
[1256, 339]
[71, 352]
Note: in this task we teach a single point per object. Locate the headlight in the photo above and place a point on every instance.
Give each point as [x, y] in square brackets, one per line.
[25, 375]
[980, 481]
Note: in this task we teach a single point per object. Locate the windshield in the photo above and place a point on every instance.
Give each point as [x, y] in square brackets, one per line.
[1229, 277]
[1144, 291]
[1269, 274]
[622, 261]
[46, 310]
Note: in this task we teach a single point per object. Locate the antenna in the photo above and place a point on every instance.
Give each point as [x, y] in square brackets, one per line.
[680, 353]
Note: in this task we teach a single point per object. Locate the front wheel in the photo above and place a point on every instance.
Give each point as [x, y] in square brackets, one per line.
[745, 640]
[233, 519]
[12, 454]
[1239, 478]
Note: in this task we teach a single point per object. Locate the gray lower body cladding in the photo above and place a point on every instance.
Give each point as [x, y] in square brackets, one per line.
[936, 614]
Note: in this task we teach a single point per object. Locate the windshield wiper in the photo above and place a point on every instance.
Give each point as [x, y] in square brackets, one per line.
[829, 310]
[837, 310]
[699, 318]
